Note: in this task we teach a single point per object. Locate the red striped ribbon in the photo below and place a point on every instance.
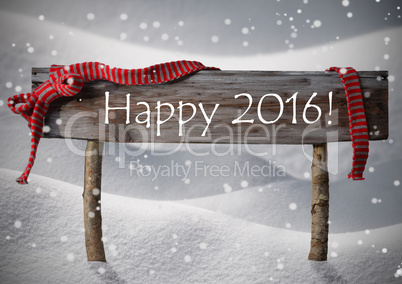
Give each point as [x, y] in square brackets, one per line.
[357, 120]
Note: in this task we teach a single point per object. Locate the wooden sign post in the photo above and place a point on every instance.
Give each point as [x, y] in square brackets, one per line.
[218, 107]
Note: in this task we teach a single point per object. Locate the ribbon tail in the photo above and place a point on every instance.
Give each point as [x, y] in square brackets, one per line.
[357, 120]
[36, 135]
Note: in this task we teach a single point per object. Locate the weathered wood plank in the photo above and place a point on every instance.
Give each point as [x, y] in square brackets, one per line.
[83, 116]
[319, 204]
[92, 202]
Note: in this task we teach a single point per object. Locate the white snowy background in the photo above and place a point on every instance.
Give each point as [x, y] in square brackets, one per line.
[199, 229]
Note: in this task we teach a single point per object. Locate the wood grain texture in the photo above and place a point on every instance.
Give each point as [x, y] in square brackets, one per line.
[83, 116]
[319, 204]
[92, 202]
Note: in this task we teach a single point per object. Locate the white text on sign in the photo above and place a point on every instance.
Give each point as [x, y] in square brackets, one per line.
[144, 117]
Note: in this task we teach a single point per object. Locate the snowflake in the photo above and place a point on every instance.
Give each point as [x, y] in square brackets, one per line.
[70, 257]
[317, 23]
[90, 16]
[292, 206]
[227, 188]
[17, 224]
[215, 39]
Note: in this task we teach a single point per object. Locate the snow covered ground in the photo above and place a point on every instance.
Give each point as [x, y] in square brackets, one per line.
[147, 241]
[194, 229]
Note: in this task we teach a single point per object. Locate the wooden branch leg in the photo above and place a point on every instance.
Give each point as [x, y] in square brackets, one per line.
[319, 204]
[92, 198]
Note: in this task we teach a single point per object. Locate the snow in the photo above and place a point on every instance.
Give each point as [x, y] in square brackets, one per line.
[194, 228]
[164, 242]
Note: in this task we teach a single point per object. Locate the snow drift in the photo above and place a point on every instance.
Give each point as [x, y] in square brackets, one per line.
[42, 241]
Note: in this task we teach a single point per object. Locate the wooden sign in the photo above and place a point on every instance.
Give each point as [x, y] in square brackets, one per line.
[255, 107]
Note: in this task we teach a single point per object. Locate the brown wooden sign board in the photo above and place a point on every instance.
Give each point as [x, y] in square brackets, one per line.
[276, 119]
